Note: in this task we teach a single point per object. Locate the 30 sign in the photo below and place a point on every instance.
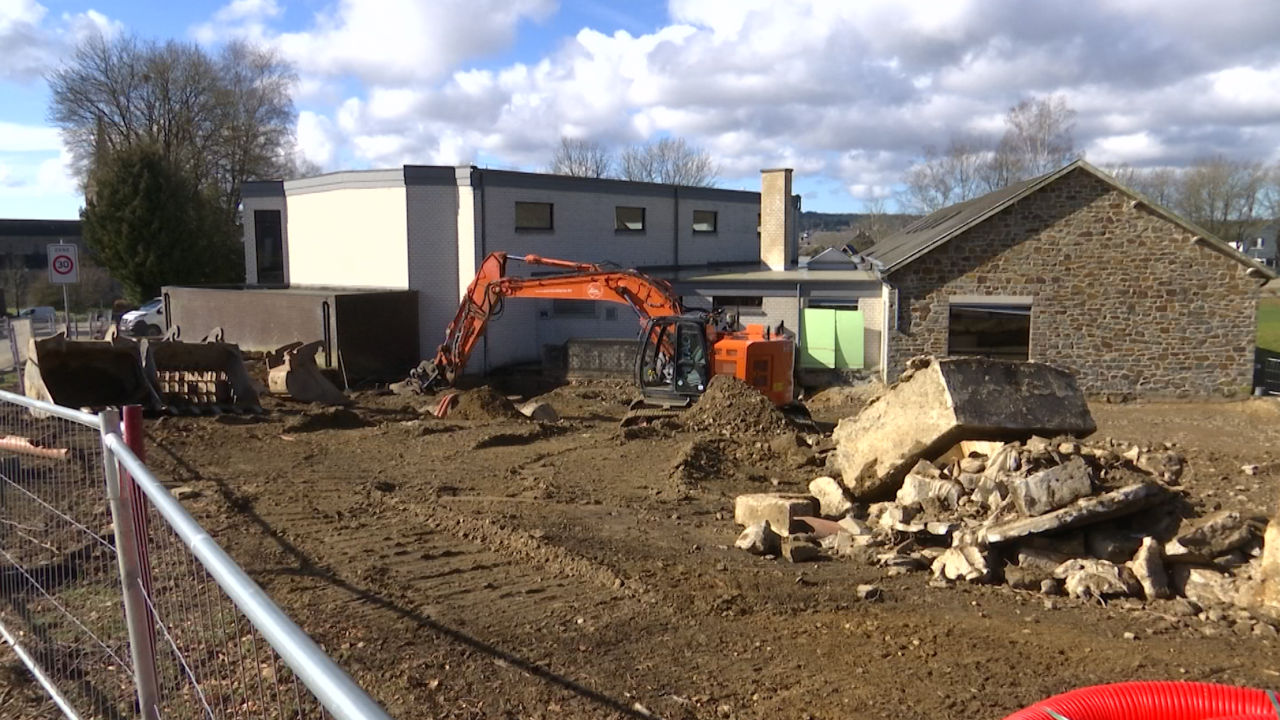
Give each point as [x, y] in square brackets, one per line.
[64, 264]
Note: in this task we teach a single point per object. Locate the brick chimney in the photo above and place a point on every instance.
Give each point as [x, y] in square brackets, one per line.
[777, 218]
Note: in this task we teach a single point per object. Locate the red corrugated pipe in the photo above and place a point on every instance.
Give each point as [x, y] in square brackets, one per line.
[1156, 701]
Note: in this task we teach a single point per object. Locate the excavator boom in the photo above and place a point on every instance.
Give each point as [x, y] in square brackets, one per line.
[648, 297]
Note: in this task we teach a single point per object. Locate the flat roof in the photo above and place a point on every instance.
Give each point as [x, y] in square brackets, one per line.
[764, 275]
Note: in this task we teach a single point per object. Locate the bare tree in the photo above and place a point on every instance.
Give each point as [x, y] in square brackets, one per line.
[669, 160]
[222, 119]
[1225, 197]
[947, 177]
[579, 157]
[17, 278]
[1038, 138]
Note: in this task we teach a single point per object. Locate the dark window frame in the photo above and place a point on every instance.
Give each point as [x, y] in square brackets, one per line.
[551, 217]
[574, 309]
[262, 221]
[619, 226]
[715, 222]
[752, 307]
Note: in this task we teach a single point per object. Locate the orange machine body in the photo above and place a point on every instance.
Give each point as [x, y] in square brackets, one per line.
[759, 359]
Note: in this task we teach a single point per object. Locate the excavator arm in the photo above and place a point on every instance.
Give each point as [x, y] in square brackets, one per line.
[648, 297]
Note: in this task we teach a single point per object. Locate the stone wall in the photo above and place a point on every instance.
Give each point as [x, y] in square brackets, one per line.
[1121, 297]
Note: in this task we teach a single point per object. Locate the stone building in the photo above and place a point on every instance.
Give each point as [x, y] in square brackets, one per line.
[1074, 269]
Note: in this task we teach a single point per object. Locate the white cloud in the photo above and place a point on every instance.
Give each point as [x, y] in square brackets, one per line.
[240, 18]
[15, 137]
[54, 177]
[316, 138]
[847, 90]
[30, 44]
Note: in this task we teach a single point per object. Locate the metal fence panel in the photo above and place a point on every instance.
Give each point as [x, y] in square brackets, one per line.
[123, 606]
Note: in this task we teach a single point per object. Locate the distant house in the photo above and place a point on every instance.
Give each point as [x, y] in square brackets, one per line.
[23, 242]
[1261, 245]
[1074, 269]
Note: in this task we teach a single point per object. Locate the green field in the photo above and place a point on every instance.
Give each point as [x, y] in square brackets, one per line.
[1269, 324]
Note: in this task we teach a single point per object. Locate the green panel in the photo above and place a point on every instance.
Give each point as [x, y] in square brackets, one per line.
[849, 340]
[818, 339]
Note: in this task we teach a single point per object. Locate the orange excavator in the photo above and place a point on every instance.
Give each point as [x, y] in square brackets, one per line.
[680, 352]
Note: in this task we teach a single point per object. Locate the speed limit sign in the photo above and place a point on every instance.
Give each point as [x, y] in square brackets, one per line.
[64, 265]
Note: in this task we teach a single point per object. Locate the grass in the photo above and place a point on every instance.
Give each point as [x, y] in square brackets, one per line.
[1269, 324]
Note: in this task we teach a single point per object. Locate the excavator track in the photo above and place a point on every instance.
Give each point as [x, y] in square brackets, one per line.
[645, 415]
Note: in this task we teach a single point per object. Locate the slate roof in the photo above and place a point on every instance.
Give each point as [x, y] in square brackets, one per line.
[922, 236]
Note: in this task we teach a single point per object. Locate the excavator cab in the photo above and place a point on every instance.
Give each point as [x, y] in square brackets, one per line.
[674, 363]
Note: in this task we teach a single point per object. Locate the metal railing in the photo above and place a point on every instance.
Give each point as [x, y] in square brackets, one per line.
[121, 604]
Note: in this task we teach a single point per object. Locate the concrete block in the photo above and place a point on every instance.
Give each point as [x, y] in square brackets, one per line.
[1203, 585]
[779, 509]
[949, 401]
[759, 539]
[1051, 489]
[1148, 566]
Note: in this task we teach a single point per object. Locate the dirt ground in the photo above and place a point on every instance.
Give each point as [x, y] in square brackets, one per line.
[466, 568]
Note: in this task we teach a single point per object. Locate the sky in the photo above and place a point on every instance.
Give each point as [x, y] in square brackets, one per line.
[847, 92]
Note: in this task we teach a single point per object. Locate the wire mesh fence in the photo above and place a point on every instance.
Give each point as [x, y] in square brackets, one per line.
[60, 582]
[122, 605]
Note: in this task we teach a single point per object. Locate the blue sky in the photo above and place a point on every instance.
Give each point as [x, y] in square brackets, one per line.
[848, 93]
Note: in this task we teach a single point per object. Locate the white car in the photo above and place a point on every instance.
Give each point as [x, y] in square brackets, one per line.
[146, 321]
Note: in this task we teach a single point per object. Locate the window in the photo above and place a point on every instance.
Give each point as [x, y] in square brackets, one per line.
[739, 304]
[994, 331]
[269, 242]
[758, 225]
[533, 216]
[704, 221]
[611, 313]
[628, 219]
[573, 308]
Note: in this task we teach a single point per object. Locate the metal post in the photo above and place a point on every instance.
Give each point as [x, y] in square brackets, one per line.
[136, 612]
[66, 313]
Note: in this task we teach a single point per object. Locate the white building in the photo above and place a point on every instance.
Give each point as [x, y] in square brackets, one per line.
[426, 229]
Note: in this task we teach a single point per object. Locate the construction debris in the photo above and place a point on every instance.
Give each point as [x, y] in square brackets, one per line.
[832, 502]
[759, 539]
[24, 446]
[947, 401]
[1045, 513]
[540, 411]
[778, 509]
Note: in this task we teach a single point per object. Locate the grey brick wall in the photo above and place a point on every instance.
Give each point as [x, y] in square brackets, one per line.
[1121, 297]
[433, 259]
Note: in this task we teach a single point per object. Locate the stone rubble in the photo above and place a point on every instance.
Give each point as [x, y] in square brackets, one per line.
[1053, 515]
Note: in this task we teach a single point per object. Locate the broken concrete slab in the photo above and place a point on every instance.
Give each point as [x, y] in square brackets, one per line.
[1265, 591]
[917, 489]
[1051, 489]
[759, 539]
[1208, 538]
[1090, 579]
[990, 492]
[1087, 511]
[832, 502]
[779, 509]
[1203, 585]
[951, 400]
[1148, 567]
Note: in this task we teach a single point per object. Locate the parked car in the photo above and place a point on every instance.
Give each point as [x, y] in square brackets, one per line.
[146, 321]
[42, 315]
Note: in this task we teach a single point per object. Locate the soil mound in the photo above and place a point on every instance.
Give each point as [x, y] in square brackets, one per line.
[326, 419]
[484, 404]
[734, 407]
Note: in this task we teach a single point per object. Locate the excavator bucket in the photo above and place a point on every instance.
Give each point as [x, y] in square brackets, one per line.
[293, 372]
[206, 377]
[87, 373]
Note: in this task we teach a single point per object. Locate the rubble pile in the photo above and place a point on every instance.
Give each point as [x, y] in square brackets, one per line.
[1052, 516]
[947, 474]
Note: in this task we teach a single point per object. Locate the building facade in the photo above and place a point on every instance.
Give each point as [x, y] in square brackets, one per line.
[427, 229]
[1073, 269]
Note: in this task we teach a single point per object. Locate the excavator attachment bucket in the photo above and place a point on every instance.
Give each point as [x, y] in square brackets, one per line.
[293, 372]
[87, 373]
[206, 377]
